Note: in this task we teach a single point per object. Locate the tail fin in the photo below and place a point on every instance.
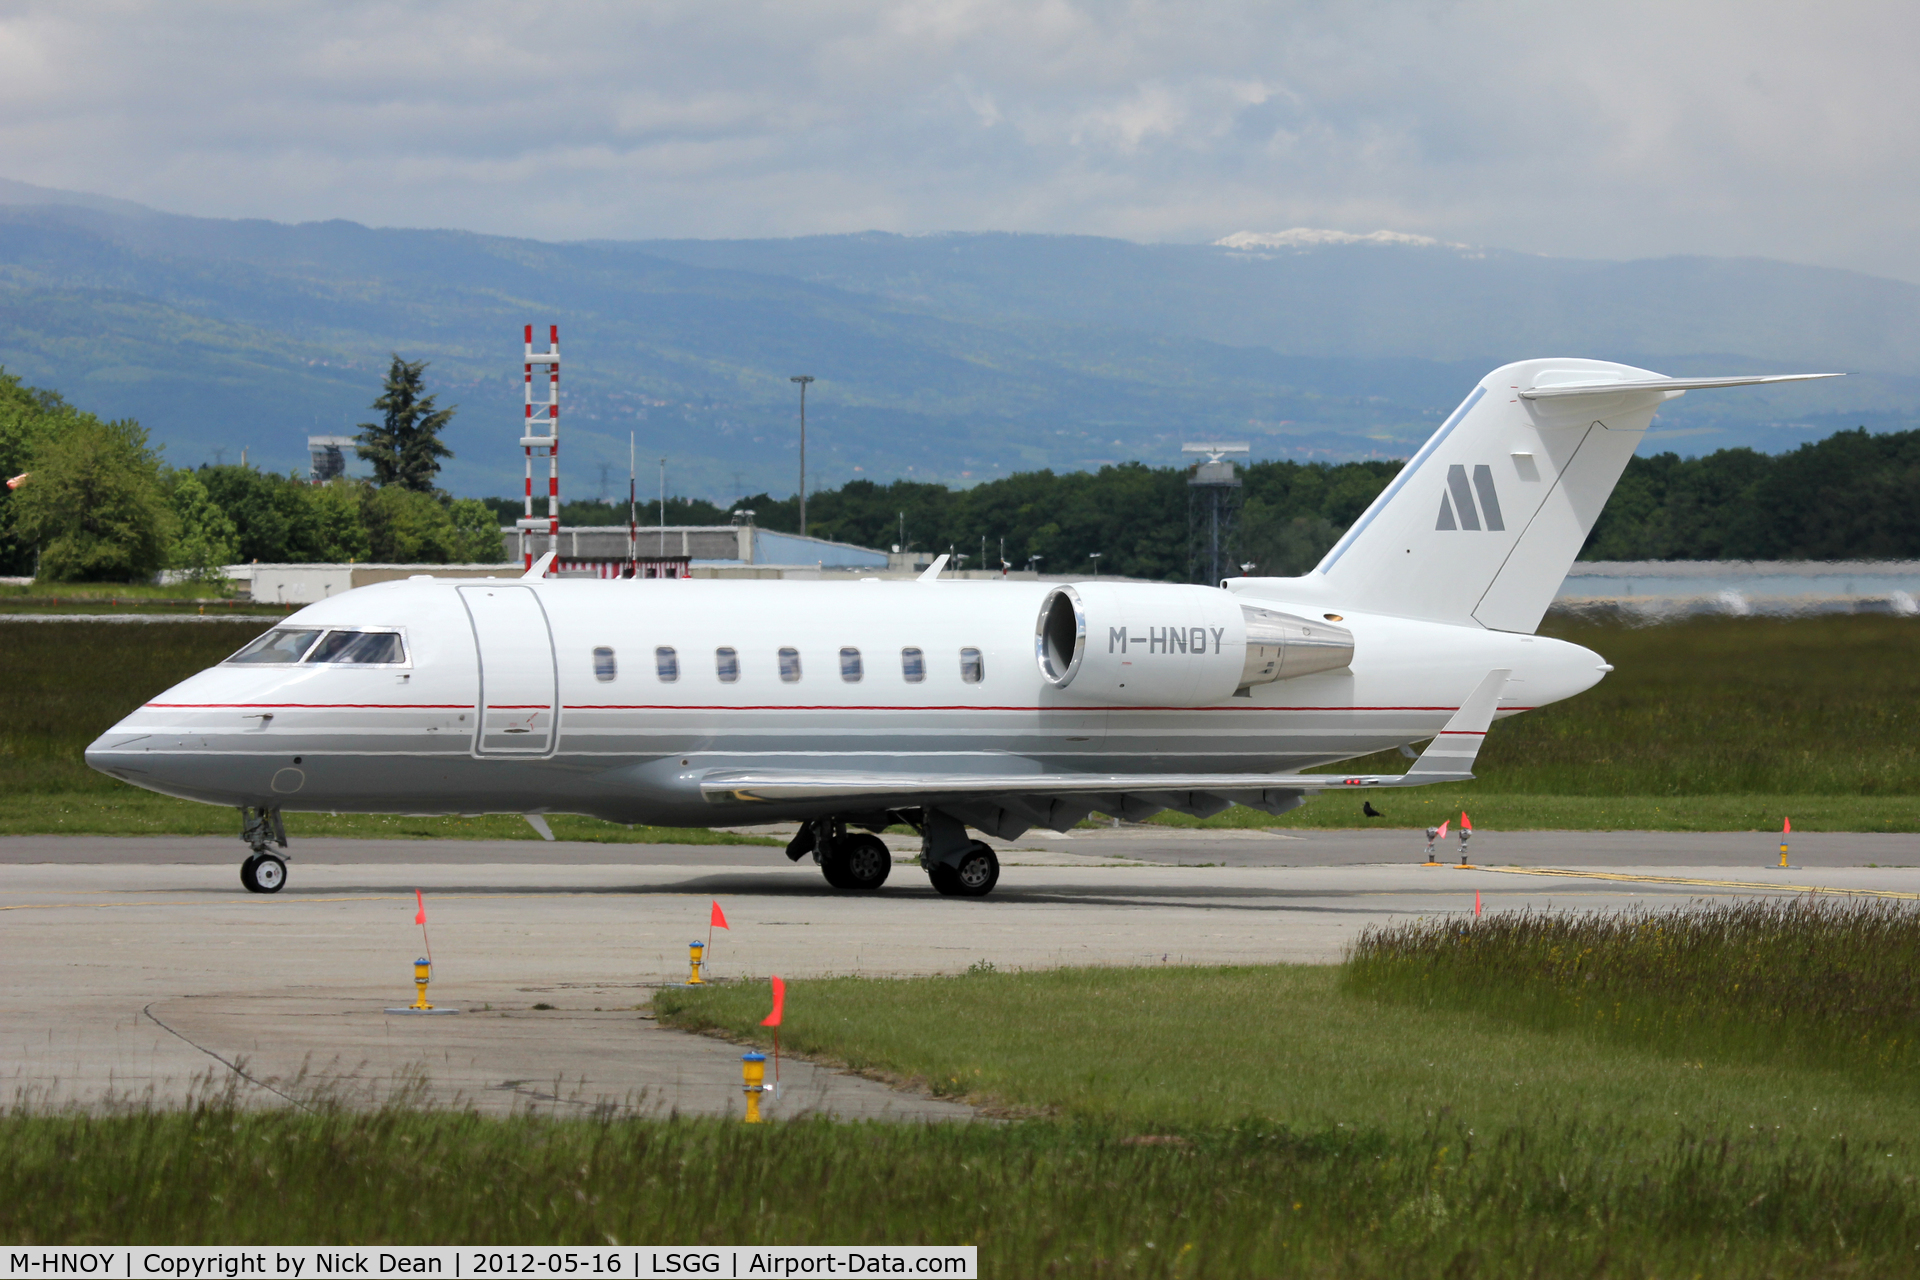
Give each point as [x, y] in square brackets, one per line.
[1485, 520]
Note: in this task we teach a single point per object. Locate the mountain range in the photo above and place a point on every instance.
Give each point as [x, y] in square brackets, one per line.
[954, 357]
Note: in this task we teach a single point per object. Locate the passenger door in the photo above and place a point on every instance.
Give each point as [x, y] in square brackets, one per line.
[519, 684]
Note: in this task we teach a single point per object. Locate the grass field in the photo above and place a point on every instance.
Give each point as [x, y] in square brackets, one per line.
[1176, 1122]
[1709, 724]
[1770, 982]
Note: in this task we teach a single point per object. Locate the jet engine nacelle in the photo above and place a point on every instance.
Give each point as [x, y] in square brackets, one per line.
[1141, 645]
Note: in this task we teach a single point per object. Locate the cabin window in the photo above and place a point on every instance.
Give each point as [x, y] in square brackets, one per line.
[727, 663]
[282, 644]
[667, 663]
[603, 665]
[973, 667]
[789, 665]
[850, 665]
[913, 665]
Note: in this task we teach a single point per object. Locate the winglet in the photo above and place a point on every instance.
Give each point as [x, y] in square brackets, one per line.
[1453, 749]
[540, 567]
[933, 570]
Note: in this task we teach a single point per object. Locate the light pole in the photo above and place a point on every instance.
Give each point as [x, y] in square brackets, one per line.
[1095, 557]
[803, 379]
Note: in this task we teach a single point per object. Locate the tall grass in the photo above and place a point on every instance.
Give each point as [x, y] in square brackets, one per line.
[68, 682]
[1809, 981]
[1039, 1198]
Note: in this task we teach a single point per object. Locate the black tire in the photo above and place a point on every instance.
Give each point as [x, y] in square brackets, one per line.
[978, 872]
[864, 862]
[833, 864]
[263, 873]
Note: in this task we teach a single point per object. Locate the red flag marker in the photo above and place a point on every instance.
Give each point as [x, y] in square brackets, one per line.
[1476, 902]
[779, 1003]
[1466, 823]
[420, 918]
[773, 1020]
[716, 919]
[1443, 829]
[1786, 829]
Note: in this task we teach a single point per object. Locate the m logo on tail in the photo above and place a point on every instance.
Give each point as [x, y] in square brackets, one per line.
[1459, 495]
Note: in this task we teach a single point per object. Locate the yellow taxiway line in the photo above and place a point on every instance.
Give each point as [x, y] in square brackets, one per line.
[1712, 884]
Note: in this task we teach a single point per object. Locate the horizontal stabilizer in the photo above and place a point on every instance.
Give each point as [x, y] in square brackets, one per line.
[1554, 391]
[1451, 754]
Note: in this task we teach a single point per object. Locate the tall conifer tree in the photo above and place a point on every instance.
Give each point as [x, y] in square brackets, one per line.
[404, 447]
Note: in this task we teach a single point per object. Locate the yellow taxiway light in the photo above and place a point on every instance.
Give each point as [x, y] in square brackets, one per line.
[753, 1073]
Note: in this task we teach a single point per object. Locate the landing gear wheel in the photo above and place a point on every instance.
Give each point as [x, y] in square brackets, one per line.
[978, 872]
[857, 862]
[263, 873]
[833, 864]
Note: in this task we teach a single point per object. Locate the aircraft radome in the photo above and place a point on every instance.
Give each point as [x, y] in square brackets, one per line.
[945, 705]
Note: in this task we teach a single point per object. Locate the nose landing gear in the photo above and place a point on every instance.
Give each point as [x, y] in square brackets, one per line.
[263, 872]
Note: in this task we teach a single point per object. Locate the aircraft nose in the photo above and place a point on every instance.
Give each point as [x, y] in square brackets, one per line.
[116, 753]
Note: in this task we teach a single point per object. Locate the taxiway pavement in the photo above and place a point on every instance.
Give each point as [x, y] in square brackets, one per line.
[137, 968]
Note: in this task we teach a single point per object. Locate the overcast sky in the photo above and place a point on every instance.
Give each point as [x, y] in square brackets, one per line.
[1594, 129]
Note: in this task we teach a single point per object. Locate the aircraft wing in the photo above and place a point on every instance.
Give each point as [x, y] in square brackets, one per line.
[1062, 799]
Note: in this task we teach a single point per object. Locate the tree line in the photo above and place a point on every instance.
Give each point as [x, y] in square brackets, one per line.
[97, 504]
[91, 501]
[1851, 496]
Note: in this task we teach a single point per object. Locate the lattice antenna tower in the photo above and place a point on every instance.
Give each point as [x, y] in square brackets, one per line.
[547, 444]
[1213, 500]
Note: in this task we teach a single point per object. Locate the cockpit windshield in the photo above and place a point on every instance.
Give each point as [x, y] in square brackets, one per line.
[287, 645]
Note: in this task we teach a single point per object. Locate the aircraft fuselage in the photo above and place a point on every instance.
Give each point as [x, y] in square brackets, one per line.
[611, 699]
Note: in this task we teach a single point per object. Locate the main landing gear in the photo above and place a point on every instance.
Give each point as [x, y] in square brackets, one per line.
[263, 872]
[974, 876]
[858, 860]
[956, 865]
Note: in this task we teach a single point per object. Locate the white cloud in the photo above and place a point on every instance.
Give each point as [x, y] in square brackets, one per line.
[1630, 129]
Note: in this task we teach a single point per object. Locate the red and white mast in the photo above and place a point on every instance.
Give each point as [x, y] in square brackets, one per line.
[548, 443]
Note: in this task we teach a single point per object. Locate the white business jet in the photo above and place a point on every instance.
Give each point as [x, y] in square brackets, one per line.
[944, 705]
